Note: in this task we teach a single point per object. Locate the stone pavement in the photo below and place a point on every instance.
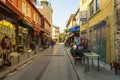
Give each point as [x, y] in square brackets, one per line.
[105, 72]
[24, 58]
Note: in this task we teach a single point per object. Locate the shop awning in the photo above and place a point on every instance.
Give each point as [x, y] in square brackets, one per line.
[73, 29]
[26, 24]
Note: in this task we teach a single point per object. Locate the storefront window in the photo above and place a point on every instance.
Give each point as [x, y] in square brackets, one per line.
[100, 43]
[22, 37]
[103, 44]
[7, 27]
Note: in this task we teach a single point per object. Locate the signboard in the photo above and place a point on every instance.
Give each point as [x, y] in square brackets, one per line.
[83, 19]
[83, 15]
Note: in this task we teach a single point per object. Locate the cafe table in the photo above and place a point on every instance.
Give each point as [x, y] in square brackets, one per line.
[91, 55]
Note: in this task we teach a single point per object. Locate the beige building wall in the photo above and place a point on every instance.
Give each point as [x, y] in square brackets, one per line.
[55, 33]
[47, 11]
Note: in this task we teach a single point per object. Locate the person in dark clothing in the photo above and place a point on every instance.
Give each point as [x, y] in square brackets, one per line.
[52, 43]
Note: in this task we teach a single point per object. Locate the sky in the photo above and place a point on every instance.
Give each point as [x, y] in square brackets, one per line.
[62, 10]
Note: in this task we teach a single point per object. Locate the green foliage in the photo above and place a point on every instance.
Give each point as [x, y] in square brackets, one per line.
[62, 36]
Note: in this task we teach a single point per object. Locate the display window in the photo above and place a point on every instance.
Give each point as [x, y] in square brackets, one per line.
[22, 37]
[99, 45]
[7, 38]
[7, 27]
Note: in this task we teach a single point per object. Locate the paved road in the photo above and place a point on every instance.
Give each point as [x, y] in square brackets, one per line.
[52, 64]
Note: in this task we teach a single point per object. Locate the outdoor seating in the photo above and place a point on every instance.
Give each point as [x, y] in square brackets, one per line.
[1, 63]
[15, 54]
[29, 51]
[91, 55]
[78, 56]
[116, 66]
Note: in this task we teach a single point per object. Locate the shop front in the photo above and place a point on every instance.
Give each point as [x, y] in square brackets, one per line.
[36, 38]
[117, 29]
[72, 35]
[8, 24]
[25, 35]
[43, 36]
[98, 36]
[99, 39]
[84, 33]
[7, 28]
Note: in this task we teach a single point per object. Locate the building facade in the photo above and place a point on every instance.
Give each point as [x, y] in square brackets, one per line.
[46, 9]
[70, 22]
[99, 27]
[56, 33]
[77, 17]
[23, 23]
[117, 28]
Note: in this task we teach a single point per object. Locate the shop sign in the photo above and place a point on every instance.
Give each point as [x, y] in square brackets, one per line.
[83, 15]
[83, 19]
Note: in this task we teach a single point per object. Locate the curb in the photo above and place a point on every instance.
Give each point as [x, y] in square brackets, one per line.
[76, 72]
[12, 68]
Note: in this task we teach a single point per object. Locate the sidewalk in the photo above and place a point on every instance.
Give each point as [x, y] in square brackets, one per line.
[105, 72]
[24, 58]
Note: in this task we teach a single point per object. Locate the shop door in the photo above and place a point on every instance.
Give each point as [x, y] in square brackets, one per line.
[100, 43]
[103, 44]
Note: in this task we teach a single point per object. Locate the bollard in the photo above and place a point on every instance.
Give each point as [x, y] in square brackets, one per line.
[35, 52]
[18, 58]
[28, 54]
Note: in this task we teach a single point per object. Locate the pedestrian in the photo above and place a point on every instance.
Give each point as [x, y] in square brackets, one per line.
[73, 49]
[52, 43]
[78, 40]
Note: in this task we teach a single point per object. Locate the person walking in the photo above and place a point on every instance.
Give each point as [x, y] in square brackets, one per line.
[52, 43]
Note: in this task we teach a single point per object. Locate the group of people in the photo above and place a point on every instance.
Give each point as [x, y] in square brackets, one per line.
[78, 46]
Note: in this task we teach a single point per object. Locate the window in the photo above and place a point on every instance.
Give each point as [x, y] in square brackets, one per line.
[34, 16]
[97, 5]
[23, 7]
[91, 8]
[28, 11]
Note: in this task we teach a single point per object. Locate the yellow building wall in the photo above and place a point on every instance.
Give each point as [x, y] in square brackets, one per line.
[106, 12]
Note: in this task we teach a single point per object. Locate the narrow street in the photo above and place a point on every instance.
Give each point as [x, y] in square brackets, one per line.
[52, 64]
